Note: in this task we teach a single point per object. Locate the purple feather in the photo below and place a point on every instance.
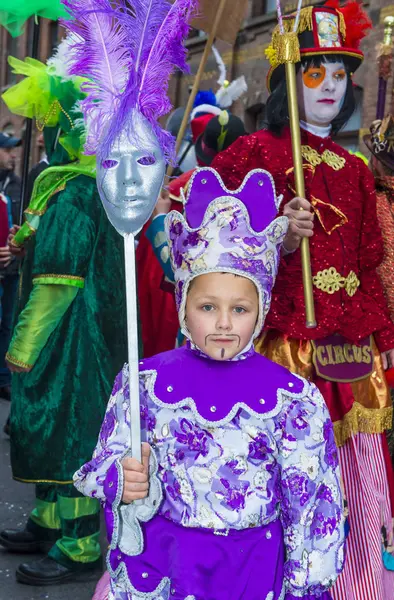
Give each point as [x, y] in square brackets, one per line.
[99, 55]
[128, 52]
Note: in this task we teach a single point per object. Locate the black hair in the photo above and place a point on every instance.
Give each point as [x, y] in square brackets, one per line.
[276, 109]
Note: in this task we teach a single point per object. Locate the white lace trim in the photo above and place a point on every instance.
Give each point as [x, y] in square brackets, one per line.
[120, 520]
[138, 595]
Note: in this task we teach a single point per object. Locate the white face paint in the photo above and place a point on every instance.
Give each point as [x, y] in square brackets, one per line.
[321, 91]
[130, 178]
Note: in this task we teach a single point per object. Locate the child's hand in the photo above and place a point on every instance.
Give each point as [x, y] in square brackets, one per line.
[136, 476]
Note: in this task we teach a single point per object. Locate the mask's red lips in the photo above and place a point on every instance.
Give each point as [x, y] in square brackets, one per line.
[327, 101]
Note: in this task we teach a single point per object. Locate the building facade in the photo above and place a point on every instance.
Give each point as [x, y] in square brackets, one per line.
[246, 57]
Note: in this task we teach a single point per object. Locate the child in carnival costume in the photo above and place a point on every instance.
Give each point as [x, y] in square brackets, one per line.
[243, 468]
[64, 327]
[339, 216]
[241, 474]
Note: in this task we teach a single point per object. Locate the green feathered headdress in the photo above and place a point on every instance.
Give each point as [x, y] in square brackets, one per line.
[50, 96]
[17, 12]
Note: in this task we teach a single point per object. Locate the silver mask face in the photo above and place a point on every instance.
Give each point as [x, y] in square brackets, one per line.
[130, 178]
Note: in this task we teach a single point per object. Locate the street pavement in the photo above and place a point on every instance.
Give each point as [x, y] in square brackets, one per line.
[16, 500]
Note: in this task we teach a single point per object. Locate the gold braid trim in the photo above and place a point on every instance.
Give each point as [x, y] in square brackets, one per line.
[17, 362]
[342, 25]
[43, 481]
[54, 275]
[362, 420]
[330, 158]
[305, 22]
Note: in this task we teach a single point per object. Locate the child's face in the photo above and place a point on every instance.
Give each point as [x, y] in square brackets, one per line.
[221, 313]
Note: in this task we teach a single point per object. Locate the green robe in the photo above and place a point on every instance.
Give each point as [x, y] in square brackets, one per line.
[58, 407]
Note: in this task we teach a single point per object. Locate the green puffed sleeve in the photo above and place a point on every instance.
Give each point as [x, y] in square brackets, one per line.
[46, 306]
[65, 240]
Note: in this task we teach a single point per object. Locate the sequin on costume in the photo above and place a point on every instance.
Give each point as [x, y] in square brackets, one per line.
[385, 200]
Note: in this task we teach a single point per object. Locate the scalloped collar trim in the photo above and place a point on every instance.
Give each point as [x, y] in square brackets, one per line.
[215, 392]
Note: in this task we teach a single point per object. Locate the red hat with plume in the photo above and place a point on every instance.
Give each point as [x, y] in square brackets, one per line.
[327, 29]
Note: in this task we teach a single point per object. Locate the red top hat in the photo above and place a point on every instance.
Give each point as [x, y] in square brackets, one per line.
[327, 29]
[198, 126]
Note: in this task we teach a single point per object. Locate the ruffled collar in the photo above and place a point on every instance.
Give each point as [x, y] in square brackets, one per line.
[317, 130]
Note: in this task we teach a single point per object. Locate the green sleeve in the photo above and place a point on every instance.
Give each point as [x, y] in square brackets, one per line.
[46, 306]
[64, 242]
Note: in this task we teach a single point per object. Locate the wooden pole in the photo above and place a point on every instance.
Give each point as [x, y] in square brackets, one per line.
[197, 80]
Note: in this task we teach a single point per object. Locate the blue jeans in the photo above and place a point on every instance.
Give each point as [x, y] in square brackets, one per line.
[9, 286]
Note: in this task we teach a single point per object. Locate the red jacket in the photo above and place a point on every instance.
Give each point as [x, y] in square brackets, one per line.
[347, 238]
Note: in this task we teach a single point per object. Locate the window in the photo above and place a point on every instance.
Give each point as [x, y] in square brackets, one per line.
[29, 36]
[53, 37]
[12, 50]
[258, 8]
[262, 7]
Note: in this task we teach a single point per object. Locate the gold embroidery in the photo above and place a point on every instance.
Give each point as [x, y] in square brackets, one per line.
[55, 106]
[342, 217]
[330, 281]
[40, 213]
[323, 205]
[352, 283]
[43, 481]
[330, 158]
[55, 276]
[17, 362]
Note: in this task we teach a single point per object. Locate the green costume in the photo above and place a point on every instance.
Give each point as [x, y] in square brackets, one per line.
[73, 335]
[71, 325]
[70, 331]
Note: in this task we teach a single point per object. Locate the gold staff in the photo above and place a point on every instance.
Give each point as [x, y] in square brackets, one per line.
[288, 53]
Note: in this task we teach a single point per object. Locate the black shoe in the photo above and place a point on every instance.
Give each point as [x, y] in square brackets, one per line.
[25, 542]
[49, 572]
[5, 393]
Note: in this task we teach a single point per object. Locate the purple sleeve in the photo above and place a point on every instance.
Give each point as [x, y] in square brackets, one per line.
[312, 505]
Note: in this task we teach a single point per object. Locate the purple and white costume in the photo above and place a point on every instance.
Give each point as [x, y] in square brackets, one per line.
[245, 500]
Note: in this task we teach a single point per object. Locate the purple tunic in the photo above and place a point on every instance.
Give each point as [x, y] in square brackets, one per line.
[248, 468]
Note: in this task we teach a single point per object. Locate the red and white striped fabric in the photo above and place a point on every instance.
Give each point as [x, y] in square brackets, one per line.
[365, 481]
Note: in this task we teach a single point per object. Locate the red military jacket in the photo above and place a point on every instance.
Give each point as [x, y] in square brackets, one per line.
[346, 247]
